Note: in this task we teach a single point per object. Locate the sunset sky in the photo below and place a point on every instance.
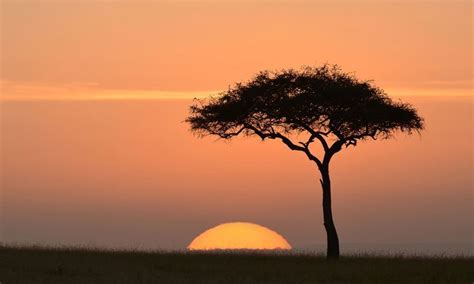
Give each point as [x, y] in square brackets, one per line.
[82, 48]
[94, 148]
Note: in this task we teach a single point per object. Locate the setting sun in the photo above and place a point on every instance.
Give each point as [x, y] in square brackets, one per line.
[239, 235]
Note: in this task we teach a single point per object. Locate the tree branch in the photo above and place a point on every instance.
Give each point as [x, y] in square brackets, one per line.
[230, 134]
[315, 134]
[276, 135]
[352, 140]
[335, 147]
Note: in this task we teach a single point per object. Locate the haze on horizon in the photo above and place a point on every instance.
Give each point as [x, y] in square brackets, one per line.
[130, 174]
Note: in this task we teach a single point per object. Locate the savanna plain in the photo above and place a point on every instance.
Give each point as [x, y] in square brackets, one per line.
[87, 265]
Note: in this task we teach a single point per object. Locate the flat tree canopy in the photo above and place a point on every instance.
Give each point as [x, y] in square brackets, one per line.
[320, 100]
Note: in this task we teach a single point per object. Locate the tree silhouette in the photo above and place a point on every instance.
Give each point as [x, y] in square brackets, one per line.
[299, 107]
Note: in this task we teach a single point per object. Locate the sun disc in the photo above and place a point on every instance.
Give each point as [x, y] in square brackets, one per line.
[239, 235]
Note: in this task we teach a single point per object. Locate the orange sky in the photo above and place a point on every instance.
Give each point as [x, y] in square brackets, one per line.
[77, 169]
[131, 174]
[83, 48]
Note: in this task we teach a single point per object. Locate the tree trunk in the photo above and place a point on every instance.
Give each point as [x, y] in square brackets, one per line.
[332, 239]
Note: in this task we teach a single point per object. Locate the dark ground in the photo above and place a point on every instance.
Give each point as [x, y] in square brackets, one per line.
[76, 265]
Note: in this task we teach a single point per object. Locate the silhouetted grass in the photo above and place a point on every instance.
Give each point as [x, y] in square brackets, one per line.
[83, 265]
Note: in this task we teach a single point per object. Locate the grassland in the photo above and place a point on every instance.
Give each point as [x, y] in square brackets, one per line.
[76, 265]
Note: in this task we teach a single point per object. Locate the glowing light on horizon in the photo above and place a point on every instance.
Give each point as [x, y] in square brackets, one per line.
[239, 235]
[99, 95]
[12, 91]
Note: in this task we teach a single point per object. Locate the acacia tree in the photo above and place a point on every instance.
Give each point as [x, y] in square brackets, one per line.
[298, 107]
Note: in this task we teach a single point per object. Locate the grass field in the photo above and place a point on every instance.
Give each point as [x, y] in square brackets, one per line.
[76, 265]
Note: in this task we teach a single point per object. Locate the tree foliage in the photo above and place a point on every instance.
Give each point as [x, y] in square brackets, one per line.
[325, 102]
